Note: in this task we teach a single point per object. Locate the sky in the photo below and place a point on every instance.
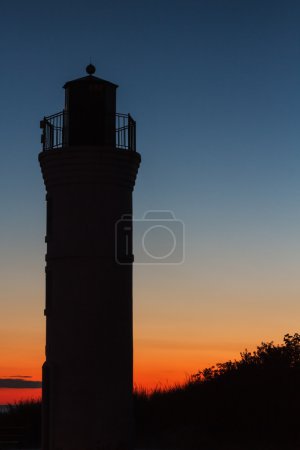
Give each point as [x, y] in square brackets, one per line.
[214, 88]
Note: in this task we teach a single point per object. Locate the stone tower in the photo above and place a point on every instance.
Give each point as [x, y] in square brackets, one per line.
[89, 165]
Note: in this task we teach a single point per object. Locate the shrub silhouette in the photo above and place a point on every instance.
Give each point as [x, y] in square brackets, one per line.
[248, 403]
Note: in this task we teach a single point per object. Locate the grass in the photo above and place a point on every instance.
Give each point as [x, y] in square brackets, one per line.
[21, 423]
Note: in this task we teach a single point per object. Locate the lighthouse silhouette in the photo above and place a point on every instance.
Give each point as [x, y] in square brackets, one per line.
[89, 165]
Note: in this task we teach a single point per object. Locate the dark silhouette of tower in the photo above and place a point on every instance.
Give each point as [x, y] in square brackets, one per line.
[89, 165]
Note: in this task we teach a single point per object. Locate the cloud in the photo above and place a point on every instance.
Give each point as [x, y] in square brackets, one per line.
[19, 376]
[19, 383]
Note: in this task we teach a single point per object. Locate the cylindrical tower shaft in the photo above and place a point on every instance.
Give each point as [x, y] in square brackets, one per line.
[87, 376]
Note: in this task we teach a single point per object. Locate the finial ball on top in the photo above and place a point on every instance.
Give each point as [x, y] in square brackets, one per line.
[90, 69]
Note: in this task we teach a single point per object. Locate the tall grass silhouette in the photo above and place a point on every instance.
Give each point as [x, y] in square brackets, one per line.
[21, 424]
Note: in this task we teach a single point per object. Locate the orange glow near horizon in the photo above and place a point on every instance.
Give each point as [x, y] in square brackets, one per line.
[172, 341]
[16, 395]
[152, 369]
[161, 365]
[22, 353]
[157, 364]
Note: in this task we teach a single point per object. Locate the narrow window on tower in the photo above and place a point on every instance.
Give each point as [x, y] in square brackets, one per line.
[48, 291]
[49, 218]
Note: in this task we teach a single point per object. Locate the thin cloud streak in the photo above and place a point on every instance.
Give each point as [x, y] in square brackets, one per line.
[19, 376]
[17, 383]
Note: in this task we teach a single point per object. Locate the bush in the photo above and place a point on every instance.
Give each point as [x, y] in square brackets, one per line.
[253, 401]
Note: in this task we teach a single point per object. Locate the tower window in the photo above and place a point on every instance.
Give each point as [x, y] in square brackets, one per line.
[48, 290]
[49, 218]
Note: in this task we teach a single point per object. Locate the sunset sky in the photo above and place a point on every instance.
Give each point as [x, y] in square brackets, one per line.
[215, 89]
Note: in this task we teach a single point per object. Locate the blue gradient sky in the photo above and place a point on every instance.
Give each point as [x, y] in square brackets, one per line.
[214, 87]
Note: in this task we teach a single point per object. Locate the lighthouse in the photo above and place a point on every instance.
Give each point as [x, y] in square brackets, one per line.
[89, 165]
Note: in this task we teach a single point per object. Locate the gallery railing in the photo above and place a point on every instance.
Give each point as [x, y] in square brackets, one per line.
[54, 136]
